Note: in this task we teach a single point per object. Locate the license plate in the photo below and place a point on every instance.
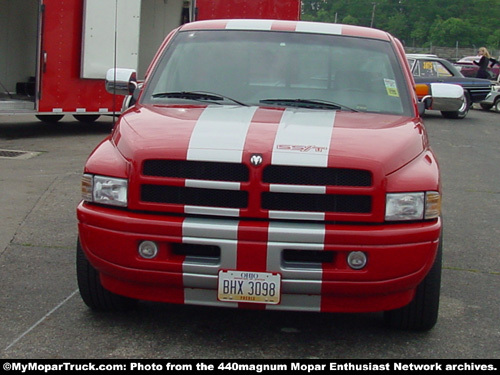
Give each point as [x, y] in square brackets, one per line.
[254, 287]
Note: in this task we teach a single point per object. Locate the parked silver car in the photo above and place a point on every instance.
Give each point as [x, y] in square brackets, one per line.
[492, 100]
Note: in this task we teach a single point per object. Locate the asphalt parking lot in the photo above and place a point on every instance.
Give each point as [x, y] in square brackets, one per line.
[42, 315]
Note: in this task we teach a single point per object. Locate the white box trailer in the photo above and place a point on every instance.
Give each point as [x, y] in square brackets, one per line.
[54, 54]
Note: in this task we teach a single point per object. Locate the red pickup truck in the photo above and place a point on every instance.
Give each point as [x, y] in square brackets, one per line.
[277, 165]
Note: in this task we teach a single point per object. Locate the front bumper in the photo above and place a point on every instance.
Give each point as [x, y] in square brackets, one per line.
[399, 257]
[491, 97]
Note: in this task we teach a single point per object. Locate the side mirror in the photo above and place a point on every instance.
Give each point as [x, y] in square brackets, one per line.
[441, 96]
[121, 81]
[130, 100]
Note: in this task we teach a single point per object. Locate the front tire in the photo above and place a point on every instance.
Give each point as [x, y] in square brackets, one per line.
[91, 290]
[496, 106]
[422, 312]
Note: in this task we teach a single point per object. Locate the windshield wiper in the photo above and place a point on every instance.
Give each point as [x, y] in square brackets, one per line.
[307, 103]
[197, 95]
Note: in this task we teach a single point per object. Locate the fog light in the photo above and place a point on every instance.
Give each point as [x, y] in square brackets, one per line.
[356, 260]
[148, 249]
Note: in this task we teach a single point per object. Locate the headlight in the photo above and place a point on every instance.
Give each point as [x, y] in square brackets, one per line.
[105, 190]
[412, 206]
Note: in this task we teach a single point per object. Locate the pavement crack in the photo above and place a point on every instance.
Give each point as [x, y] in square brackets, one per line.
[41, 320]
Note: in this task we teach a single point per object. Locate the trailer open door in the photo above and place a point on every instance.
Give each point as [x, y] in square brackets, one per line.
[20, 23]
[127, 33]
[110, 36]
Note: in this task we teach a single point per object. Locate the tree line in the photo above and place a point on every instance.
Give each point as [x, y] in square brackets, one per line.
[417, 23]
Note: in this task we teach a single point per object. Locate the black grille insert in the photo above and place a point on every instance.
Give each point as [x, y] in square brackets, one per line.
[197, 170]
[316, 202]
[283, 174]
[308, 256]
[194, 196]
[188, 249]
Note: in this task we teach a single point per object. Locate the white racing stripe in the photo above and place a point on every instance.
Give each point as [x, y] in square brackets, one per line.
[297, 233]
[320, 28]
[220, 134]
[304, 284]
[218, 211]
[249, 24]
[200, 228]
[200, 278]
[303, 138]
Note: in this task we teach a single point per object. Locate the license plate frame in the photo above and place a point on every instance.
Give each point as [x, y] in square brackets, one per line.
[248, 286]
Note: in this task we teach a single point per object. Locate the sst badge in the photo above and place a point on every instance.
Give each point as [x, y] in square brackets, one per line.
[241, 286]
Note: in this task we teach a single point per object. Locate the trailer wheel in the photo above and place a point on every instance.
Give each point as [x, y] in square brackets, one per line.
[91, 290]
[422, 312]
[50, 119]
[87, 119]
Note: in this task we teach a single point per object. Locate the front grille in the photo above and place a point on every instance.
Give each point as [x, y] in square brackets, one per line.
[316, 202]
[196, 170]
[273, 188]
[194, 196]
[284, 174]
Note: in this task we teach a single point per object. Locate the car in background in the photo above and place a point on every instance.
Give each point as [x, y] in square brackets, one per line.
[467, 67]
[432, 69]
[492, 100]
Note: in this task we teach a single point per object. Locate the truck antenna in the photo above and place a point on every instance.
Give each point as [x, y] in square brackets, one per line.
[114, 61]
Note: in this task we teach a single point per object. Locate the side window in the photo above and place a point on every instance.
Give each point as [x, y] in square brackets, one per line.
[441, 70]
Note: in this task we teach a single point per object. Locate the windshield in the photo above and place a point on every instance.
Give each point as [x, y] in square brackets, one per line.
[279, 68]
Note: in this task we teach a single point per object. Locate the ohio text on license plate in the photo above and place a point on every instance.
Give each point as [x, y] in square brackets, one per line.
[241, 286]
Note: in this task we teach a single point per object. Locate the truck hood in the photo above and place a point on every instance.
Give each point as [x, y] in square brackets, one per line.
[291, 136]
